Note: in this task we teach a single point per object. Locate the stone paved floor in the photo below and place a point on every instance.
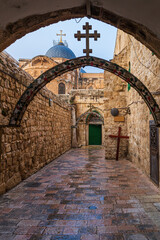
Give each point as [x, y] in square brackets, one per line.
[80, 195]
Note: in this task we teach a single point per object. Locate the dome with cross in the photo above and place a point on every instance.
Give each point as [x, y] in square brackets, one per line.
[60, 51]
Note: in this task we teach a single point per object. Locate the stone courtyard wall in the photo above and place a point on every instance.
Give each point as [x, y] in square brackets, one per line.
[145, 66]
[45, 131]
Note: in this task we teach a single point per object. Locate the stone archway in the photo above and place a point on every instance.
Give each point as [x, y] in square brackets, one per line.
[22, 22]
[88, 113]
[72, 64]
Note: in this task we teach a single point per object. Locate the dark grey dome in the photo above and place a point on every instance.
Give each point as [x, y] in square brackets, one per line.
[60, 51]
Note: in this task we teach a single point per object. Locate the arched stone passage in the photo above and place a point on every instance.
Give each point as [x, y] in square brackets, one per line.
[18, 27]
[72, 64]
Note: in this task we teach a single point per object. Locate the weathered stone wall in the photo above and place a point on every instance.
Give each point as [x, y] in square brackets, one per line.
[44, 134]
[115, 97]
[145, 66]
[139, 147]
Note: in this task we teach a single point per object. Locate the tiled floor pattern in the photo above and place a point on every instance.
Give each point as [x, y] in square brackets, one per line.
[81, 196]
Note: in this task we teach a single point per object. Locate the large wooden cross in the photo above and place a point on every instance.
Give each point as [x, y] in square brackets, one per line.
[118, 140]
[87, 35]
[61, 34]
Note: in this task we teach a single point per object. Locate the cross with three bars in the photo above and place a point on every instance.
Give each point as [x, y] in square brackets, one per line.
[118, 140]
[87, 35]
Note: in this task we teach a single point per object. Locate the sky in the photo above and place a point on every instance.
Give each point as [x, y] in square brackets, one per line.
[38, 42]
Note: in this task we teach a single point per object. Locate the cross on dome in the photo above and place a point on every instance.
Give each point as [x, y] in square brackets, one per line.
[87, 35]
[61, 34]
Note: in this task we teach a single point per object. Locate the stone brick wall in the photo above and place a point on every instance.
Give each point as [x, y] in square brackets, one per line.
[139, 147]
[145, 66]
[44, 134]
[114, 94]
[115, 97]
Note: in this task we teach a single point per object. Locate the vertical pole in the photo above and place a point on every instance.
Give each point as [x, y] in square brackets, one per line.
[87, 39]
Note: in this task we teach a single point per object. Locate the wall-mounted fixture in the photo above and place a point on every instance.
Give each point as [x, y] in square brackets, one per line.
[114, 112]
[50, 102]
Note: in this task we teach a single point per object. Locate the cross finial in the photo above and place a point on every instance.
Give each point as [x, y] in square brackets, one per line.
[60, 34]
[87, 35]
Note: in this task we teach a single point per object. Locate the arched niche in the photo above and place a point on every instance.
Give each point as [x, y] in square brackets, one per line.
[61, 88]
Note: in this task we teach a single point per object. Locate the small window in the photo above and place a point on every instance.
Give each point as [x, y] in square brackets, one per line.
[61, 88]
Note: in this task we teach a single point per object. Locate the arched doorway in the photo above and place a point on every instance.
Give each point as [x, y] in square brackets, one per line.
[72, 64]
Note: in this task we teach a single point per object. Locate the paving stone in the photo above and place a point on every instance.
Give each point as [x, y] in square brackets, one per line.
[66, 237]
[136, 237]
[157, 205]
[89, 237]
[82, 196]
[22, 237]
[32, 184]
[87, 230]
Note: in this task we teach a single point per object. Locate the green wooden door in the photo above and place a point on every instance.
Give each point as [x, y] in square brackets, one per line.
[95, 134]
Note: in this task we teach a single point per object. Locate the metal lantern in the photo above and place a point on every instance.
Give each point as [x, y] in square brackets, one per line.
[114, 112]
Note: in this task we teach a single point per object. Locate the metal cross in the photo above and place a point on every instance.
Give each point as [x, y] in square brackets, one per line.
[60, 34]
[90, 106]
[87, 35]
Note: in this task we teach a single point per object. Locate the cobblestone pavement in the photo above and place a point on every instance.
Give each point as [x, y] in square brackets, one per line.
[82, 196]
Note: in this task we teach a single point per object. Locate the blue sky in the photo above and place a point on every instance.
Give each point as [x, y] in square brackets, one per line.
[38, 42]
